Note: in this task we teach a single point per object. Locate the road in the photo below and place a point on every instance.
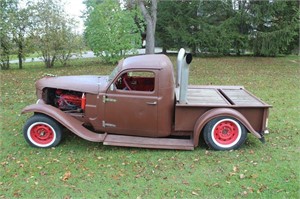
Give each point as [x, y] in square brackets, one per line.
[88, 54]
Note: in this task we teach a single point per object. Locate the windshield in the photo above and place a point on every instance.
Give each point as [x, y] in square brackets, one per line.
[113, 73]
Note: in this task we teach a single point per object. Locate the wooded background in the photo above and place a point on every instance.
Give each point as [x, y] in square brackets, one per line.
[113, 29]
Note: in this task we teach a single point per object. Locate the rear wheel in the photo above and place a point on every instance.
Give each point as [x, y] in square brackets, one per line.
[224, 133]
[42, 131]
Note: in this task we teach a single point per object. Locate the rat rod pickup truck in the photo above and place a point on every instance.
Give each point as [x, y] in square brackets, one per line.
[141, 105]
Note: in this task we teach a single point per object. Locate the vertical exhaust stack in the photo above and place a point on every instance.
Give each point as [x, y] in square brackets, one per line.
[180, 58]
[183, 61]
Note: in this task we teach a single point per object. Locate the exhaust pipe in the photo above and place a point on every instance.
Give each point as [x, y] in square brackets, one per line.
[182, 80]
[180, 58]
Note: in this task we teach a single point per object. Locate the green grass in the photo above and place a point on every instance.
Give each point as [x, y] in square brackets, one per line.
[81, 169]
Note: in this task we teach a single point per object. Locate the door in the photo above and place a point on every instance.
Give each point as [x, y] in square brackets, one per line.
[131, 104]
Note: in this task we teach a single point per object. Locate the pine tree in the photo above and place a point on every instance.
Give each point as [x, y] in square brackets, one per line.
[273, 26]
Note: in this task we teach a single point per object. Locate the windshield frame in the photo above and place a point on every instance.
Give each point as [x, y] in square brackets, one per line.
[114, 73]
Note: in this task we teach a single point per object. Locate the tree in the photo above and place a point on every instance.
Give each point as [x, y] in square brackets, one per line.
[20, 20]
[268, 28]
[275, 25]
[7, 8]
[149, 11]
[52, 31]
[171, 27]
[70, 42]
[240, 26]
[110, 31]
[199, 25]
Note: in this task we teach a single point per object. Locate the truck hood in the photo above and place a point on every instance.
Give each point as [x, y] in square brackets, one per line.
[86, 83]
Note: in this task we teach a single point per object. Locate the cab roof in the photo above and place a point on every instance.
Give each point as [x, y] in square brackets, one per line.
[154, 61]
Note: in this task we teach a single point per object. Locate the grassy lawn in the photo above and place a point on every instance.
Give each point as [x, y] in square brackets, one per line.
[81, 169]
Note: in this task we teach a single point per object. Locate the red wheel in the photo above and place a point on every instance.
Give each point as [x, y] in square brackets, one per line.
[224, 133]
[42, 131]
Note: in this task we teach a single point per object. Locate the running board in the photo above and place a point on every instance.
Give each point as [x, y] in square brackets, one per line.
[144, 142]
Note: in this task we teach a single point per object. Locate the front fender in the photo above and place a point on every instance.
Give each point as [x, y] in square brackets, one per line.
[217, 112]
[66, 120]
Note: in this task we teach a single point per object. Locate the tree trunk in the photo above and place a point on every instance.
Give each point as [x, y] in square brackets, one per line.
[47, 63]
[5, 57]
[20, 56]
[150, 39]
[4, 64]
[150, 18]
[53, 60]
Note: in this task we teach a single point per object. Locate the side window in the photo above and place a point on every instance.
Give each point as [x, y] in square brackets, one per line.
[136, 81]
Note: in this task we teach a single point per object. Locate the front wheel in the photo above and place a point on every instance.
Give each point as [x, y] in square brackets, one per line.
[42, 131]
[224, 133]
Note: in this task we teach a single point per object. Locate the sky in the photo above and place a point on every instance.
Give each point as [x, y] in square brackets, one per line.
[74, 8]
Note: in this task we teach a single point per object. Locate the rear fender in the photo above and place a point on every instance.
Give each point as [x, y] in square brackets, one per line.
[66, 120]
[217, 112]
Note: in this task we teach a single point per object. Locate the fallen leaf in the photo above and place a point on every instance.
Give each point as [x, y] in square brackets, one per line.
[244, 193]
[262, 188]
[66, 176]
[250, 189]
[254, 176]
[17, 194]
[43, 173]
[235, 169]
[195, 193]
[115, 177]
[133, 152]
[242, 176]
[185, 182]
[67, 197]
[138, 176]
[231, 174]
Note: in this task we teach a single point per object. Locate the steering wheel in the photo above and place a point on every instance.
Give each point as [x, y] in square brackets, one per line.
[126, 83]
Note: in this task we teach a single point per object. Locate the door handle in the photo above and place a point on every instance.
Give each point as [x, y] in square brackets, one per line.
[151, 103]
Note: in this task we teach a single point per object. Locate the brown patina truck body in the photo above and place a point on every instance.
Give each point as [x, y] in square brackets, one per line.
[139, 105]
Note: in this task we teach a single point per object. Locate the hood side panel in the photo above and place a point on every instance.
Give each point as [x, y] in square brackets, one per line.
[88, 83]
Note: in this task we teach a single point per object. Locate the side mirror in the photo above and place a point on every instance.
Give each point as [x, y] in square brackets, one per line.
[112, 87]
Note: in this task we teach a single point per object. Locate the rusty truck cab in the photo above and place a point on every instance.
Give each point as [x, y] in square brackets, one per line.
[139, 100]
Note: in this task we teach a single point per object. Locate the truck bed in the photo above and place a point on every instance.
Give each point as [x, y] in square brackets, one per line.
[220, 96]
[201, 99]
